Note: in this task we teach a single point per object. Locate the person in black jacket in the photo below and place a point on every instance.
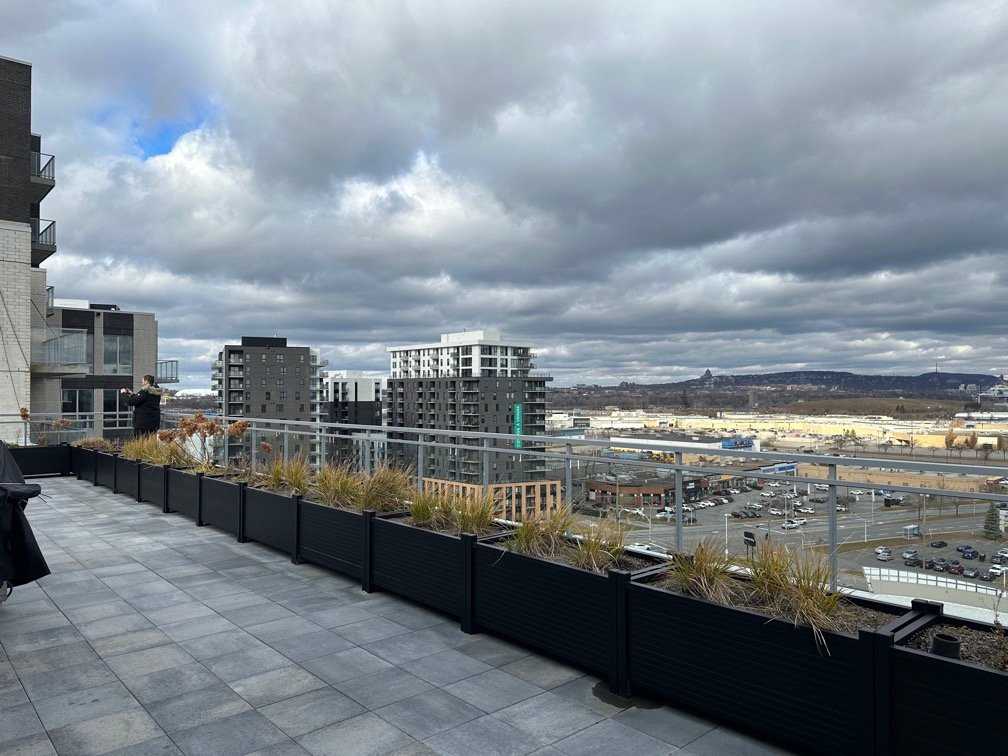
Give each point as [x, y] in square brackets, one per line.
[146, 404]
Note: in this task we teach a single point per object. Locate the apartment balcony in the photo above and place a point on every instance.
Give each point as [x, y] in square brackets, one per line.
[43, 240]
[167, 371]
[42, 176]
[60, 352]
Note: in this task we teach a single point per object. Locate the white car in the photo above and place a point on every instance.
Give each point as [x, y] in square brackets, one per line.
[997, 569]
[799, 520]
[754, 505]
[856, 492]
[663, 514]
[821, 487]
[806, 510]
[687, 508]
[881, 549]
[774, 484]
[1003, 551]
[766, 494]
[776, 512]
[885, 556]
[789, 524]
[734, 491]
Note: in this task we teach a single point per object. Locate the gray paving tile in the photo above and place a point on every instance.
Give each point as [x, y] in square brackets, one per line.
[287, 748]
[724, 740]
[493, 690]
[428, 713]
[161, 746]
[286, 627]
[407, 615]
[345, 665]
[359, 736]
[384, 687]
[132, 641]
[276, 685]
[548, 717]
[56, 657]
[494, 652]
[230, 736]
[179, 612]
[486, 736]
[107, 733]
[445, 667]
[256, 614]
[198, 627]
[594, 694]
[17, 722]
[104, 610]
[239, 664]
[171, 682]
[308, 646]
[405, 647]
[149, 660]
[221, 643]
[544, 673]
[197, 707]
[13, 694]
[370, 631]
[311, 711]
[340, 615]
[30, 745]
[609, 737]
[665, 723]
[80, 705]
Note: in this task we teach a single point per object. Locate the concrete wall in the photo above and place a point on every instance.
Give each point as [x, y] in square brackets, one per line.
[15, 325]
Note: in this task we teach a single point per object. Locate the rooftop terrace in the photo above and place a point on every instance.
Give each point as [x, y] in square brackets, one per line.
[155, 636]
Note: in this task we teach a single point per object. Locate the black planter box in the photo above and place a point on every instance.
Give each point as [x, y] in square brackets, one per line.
[82, 462]
[563, 611]
[183, 492]
[332, 538]
[152, 484]
[764, 675]
[221, 502]
[105, 469]
[42, 460]
[269, 518]
[127, 481]
[940, 705]
[419, 565]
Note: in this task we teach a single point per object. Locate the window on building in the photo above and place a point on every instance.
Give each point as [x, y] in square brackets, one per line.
[283, 395]
[297, 370]
[280, 357]
[115, 417]
[248, 395]
[118, 355]
[279, 408]
[247, 410]
[248, 382]
[269, 370]
[267, 396]
[77, 401]
[262, 383]
[302, 357]
[263, 409]
[248, 357]
[280, 382]
[262, 357]
[301, 382]
[297, 394]
[283, 370]
[301, 408]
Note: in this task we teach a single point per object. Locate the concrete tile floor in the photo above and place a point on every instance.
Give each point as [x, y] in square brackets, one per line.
[155, 636]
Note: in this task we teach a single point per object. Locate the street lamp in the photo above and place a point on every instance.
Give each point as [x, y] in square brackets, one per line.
[726, 533]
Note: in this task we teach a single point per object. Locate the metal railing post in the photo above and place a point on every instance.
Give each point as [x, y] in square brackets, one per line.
[486, 464]
[832, 515]
[568, 474]
[678, 501]
[420, 461]
[226, 444]
[286, 428]
[252, 447]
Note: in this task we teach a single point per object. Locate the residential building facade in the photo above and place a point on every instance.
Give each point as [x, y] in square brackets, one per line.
[265, 378]
[355, 398]
[469, 381]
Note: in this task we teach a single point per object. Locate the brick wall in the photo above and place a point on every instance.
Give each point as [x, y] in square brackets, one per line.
[15, 325]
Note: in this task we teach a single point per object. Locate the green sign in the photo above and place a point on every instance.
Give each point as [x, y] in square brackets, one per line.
[519, 425]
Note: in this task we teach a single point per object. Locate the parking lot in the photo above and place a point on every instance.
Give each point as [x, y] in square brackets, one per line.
[863, 522]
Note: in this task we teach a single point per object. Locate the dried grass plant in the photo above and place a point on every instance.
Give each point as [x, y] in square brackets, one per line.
[543, 534]
[600, 547]
[384, 490]
[705, 573]
[335, 485]
[297, 475]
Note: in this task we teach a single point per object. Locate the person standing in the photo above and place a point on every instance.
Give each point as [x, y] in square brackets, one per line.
[146, 404]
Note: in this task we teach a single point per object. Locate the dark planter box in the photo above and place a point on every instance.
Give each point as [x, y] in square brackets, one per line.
[127, 481]
[766, 676]
[221, 503]
[332, 538]
[940, 705]
[105, 469]
[42, 460]
[82, 462]
[152, 483]
[183, 492]
[563, 611]
[269, 518]
[419, 565]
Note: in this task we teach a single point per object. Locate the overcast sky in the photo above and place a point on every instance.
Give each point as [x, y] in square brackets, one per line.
[639, 190]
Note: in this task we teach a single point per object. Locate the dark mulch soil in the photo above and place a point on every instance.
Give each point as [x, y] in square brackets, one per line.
[986, 647]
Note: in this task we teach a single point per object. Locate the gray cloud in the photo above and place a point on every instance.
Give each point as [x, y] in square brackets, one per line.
[641, 193]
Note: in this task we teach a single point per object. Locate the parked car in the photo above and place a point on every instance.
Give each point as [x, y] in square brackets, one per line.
[776, 512]
[799, 520]
[939, 566]
[766, 494]
[909, 554]
[1003, 551]
[754, 505]
[789, 524]
[880, 549]
[856, 492]
[839, 508]
[687, 508]
[913, 562]
[738, 514]
[821, 487]
[999, 559]
[938, 544]
[971, 572]
[987, 575]
[929, 564]
[806, 510]
[885, 556]
[997, 570]
[971, 554]
[954, 569]
[963, 547]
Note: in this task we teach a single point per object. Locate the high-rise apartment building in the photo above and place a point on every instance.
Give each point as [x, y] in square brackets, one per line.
[355, 398]
[267, 379]
[469, 381]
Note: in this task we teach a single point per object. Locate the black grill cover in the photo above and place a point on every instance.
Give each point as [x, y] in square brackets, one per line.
[21, 560]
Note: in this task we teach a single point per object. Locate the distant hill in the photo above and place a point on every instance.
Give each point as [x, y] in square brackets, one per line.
[927, 382]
